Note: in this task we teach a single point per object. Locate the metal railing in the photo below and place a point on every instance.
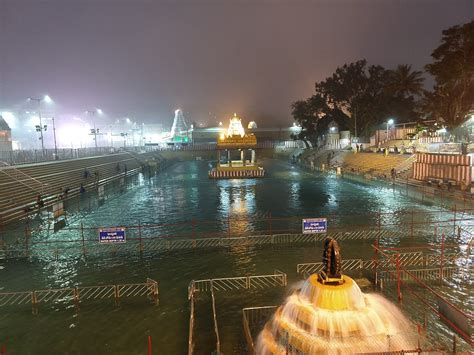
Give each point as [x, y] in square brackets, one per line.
[24, 179]
[253, 319]
[429, 299]
[238, 283]
[416, 258]
[40, 241]
[18, 157]
[191, 325]
[214, 317]
[79, 294]
[277, 279]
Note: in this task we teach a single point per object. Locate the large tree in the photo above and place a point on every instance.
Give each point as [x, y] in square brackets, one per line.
[358, 98]
[452, 98]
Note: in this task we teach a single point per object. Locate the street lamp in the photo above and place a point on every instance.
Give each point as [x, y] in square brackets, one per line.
[95, 131]
[40, 128]
[390, 122]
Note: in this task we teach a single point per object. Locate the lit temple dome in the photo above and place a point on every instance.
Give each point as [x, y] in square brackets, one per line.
[235, 127]
[252, 125]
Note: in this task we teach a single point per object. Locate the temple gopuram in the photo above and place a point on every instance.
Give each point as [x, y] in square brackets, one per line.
[236, 158]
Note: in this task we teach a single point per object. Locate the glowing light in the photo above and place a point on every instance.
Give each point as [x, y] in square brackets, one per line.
[390, 121]
[47, 99]
[222, 136]
[235, 127]
[128, 120]
[99, 111]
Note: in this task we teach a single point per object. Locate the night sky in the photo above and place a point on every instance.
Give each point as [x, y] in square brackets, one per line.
[143, 59]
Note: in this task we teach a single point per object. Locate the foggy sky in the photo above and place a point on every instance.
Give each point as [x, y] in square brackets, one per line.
[143, 59]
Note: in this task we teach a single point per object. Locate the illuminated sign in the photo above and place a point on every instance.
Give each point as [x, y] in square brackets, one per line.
[112, 235]
[315, 225]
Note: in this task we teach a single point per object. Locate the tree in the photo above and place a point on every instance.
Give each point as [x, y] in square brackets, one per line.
[357, 98]
[452, 98]
[361, 93]
[307, 113]
[405, 82]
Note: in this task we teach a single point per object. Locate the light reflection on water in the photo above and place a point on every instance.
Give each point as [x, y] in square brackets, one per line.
[184, 193]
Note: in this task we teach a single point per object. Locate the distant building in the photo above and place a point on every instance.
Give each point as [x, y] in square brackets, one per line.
[5, 136]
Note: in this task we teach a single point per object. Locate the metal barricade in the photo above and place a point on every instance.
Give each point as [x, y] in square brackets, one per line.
[80, 294]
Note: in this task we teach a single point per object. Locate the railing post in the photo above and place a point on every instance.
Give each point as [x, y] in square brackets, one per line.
[34, 303]
[399, 292]
[116, 295]
[140, 237]
[376, 261]
[379, 226]
[76, 299]
[149, 345]
[454, 220]
[83, 240]
[442, 259]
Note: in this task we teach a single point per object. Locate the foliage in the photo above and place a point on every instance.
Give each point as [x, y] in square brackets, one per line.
[452, 98]
[402, 81]
[358, 97]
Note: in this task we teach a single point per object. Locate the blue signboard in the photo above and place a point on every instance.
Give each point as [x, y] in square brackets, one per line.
[112, 235]
[315, 225]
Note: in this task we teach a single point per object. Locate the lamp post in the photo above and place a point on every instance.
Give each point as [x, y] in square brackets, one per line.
[40, 128]
[124, 136]
[55, 144]
[95, 131]
[389, 122]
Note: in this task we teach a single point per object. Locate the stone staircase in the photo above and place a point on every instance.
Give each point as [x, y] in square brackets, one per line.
[20, 186]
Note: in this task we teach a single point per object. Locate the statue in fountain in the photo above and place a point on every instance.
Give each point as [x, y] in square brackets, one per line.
[331, 272]
[329, 314]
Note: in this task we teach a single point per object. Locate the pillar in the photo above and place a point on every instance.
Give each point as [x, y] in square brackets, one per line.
[228, 158]
[253, 156]
[242, 156]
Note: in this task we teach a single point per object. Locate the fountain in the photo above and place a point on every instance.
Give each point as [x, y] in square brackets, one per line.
[329, 314]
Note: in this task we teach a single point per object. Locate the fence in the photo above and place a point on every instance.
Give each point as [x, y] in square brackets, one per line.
[17, 157]
[254, 318]
[428, 299]
[45, 243]
[80, 294]
[442, 196]
[277, 279]
[416, 258]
